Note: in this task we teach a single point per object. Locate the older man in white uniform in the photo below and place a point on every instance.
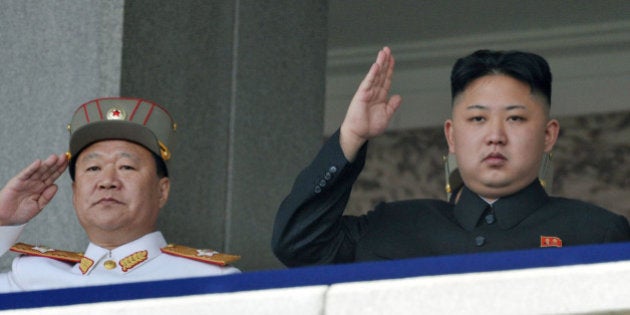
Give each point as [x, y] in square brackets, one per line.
[119, 151]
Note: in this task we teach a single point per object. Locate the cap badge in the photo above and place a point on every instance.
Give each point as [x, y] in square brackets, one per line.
[115, 113]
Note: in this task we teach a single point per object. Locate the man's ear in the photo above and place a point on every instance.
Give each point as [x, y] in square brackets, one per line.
[448, 134]
[551, 134]
[165, 188]
[74, 194]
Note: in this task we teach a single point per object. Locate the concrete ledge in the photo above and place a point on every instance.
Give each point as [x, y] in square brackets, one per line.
[580, 279]
[302, 300]
[557, 290]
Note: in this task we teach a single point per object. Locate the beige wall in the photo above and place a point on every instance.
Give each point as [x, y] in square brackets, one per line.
[591, 162]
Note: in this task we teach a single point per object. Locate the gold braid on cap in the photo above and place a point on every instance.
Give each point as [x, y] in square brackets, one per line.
[166, 154]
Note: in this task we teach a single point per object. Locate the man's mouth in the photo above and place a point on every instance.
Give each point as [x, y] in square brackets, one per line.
[495, 159]
[107, 201]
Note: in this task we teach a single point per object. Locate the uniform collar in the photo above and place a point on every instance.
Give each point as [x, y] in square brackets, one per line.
[509, 210]
[122, 259]
[469, 209]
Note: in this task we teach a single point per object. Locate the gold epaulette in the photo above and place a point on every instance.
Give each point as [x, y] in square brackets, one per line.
[203, 255]
[43, 251]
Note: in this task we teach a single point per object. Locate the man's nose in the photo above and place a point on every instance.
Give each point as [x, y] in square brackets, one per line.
[109, 179]
[496, 133]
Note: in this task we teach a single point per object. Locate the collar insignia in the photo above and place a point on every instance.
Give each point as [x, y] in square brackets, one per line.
[133, 260]
[85, 265]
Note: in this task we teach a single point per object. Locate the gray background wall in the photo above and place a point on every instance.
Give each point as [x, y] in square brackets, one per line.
[54, 55]
[240, 77]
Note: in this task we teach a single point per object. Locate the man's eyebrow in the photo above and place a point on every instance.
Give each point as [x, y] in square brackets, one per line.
[127, 155]
[90, 156]
[513, 107]
[477, 106]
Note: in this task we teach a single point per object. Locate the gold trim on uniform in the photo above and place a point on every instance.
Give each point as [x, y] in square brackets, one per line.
[85, 264]
[133, 260]
[203, 255]
[43, 251]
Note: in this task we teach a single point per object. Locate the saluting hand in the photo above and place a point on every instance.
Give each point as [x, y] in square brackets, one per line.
[26, 194]
[371, 108]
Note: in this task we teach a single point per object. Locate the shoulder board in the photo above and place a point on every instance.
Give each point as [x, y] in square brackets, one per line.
[43, 251]
[203, 255]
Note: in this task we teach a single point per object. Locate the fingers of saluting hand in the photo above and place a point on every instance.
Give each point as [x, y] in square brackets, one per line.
[44, 172]
[56, 166]
[377, 82]
[30, 190]
[385, 63]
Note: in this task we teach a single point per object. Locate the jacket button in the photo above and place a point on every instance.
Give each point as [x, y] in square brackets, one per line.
[333, 169]
[490, 218]
[322, 183]
[327, 176]
[109, 264]
[318, 189]
[480, 240]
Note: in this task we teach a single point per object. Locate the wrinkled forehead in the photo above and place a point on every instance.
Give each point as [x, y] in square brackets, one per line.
[115, 149]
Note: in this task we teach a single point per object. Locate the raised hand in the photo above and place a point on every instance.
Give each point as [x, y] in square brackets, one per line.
[371, 108]
[26, 194]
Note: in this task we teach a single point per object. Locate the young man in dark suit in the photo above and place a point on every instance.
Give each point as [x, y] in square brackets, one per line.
[499, 130]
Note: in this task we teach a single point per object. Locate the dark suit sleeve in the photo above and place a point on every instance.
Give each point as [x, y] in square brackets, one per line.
[310, 227]
[619, 231]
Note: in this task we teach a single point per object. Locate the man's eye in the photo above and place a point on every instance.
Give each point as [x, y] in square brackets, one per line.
[127, 167]
[92, 168]
[477, 119]
[516, 118]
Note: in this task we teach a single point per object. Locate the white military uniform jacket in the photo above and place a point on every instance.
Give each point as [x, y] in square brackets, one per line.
[140, 260]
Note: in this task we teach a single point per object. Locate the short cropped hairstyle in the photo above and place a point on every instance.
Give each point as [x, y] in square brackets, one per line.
[526, 67]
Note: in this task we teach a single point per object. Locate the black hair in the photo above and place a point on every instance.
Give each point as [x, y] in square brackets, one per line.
[162, 171]
[160, 165]
[526, 67]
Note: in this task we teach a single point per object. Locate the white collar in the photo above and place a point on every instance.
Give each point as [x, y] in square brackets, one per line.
[122, 259]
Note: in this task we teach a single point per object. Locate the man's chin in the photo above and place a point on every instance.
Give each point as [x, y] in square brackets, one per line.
[107, 224]
[495, 188]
